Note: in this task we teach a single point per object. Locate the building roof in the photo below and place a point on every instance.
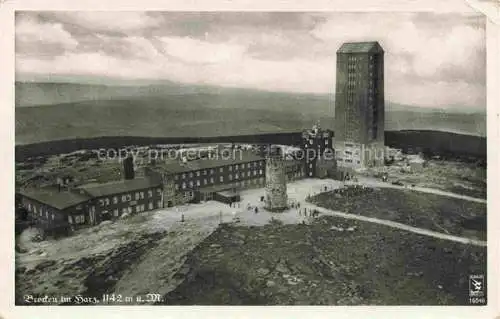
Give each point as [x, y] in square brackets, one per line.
[52, 197]
[176, 166]
[118, 187]
[360, 47]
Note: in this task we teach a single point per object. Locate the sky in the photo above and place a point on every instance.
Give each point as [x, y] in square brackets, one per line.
[431, 60]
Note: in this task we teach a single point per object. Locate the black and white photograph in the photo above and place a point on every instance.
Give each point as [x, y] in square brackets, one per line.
[250, 158]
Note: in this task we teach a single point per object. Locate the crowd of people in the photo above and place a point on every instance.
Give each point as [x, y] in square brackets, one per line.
[346, 190]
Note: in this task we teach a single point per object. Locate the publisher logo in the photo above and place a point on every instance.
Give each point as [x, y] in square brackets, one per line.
[476, 286]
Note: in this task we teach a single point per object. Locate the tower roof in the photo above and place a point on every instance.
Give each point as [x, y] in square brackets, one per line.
[360, 47]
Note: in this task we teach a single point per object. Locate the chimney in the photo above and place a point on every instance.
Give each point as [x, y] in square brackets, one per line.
[128, 168]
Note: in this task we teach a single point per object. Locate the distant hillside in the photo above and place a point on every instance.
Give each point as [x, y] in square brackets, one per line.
[171, 116]
[448, 145]
[68, 110]
[461, 123]
[46, 93]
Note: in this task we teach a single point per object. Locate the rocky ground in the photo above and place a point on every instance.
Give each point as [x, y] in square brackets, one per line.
[329, 262]
[456, 177]
[429, 211]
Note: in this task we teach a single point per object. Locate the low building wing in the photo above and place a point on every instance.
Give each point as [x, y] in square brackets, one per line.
[55, 197]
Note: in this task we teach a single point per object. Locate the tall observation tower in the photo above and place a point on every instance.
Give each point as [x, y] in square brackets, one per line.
[359, 105]
[276, 195]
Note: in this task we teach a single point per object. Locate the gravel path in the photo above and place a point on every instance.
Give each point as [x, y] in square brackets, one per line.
[392, 224]
[375, 183]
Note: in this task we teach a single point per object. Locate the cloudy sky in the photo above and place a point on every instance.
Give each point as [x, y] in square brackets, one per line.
[432, 60]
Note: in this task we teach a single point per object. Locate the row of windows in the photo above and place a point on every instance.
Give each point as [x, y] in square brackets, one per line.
[42, 211]
[128, 197]
[211, 171]
[129, 210]
[374, 132]
[351, 69]
[136, 209]
[254, 181]
[354, 58]
[199, 183]
[78, 219]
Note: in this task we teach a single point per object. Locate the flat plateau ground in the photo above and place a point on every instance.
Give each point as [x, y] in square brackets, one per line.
[261, 258]
[456, 177]
[413, 208]
[316, 265]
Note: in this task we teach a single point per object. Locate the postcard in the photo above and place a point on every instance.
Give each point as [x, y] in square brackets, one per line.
[252, 156]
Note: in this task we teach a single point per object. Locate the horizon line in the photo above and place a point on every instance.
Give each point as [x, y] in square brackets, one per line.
[118, 82]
